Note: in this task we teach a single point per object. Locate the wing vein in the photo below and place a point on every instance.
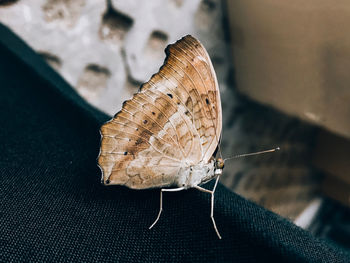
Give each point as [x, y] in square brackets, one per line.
[177, 135]
[200, 76]
[150, 117]
[144, 138]
[183, 117]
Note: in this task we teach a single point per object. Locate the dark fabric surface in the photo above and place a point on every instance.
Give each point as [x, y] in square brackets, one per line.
[53, 207]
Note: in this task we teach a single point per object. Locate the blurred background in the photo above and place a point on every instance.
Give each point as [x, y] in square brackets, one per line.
[283, 71]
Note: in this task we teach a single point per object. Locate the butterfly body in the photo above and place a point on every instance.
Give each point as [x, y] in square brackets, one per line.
[191, 176]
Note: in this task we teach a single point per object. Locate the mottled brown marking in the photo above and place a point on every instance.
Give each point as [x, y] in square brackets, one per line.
[138, 141]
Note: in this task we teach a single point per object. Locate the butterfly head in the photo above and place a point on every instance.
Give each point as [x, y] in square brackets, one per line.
[219, 163]
[219, 166]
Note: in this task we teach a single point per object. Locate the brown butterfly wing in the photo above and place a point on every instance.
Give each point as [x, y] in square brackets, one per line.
[199, 79]
[174, 121]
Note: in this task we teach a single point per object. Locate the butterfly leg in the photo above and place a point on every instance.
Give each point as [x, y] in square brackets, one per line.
[212, 203]
[161, 201]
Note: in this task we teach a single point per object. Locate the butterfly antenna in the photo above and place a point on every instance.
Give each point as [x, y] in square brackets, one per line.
[219, 145]
[250, 154]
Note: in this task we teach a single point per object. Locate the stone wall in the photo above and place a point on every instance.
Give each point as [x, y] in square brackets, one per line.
[106, 49]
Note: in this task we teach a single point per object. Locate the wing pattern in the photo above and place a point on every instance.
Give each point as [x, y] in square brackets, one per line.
[172, 122]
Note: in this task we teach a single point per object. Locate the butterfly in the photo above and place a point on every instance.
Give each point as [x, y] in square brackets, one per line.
[166, 135]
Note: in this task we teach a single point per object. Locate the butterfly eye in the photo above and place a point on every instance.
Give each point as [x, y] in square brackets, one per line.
[170, 95]
[207, 101]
